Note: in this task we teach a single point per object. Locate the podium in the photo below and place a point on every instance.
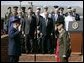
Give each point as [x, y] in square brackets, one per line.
[76, 36]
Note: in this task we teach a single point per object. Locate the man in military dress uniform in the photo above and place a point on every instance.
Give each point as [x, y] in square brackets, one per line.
[14, 46]
[69, 17]
[76, 15]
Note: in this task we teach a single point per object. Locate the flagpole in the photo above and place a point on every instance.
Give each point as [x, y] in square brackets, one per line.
[20, 5]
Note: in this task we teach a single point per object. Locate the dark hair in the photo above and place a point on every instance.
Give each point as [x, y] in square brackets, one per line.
[15, 7]
[39, 9]
[57, 33]
[58, 22]
[23, 8]
[56, 6]
[9, 7]
[29, 7]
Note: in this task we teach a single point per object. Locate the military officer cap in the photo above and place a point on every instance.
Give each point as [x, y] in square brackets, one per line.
[14, 19]
[15, 7]
[73, 9]
[9, 7]
[45, 7]
[23, 8]
[56, 6]
[38, 8]
[69, 8]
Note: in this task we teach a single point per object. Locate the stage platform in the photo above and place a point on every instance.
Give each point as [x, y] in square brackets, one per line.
[47, 58]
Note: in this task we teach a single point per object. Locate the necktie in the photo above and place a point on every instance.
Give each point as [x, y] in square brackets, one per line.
[46, 20]
[37, 20]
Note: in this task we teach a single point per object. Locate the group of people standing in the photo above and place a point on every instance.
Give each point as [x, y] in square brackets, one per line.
[36, 32]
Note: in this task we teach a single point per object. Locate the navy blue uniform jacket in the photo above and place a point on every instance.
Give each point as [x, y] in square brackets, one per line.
[14, 46]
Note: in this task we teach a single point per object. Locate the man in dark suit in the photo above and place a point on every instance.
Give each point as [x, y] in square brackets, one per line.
[61, 15]
[14, 13]
[14, 46]
[24, 14]
[47, 28]
[54, 16]
[7, 16]
[22, 19]
[29, 26]
[39, 20]
[77, 16]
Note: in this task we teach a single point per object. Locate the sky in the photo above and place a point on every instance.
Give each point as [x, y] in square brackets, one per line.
[47, 3]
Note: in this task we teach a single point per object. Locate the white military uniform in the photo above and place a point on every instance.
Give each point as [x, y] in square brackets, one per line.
[67, 20]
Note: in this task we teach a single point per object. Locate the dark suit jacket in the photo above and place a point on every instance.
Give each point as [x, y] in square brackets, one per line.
[14, 46]
[30, 27]
[61, 18]
[40, 23]
[77, 17]
[47, 30]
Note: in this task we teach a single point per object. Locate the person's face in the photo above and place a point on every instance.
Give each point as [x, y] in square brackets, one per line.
[16, 25]
[59, 26]
[60, 11]
[69, 11]
[37, 12]
[29, 11]
[9, 10]
[46, 14]
[74, 10]
[56, 10]
[52, 12]
[46, 9]
[14, 11]
[23, 10]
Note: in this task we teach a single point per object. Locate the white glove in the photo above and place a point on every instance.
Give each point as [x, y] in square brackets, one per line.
[55, 27]
[22, 32]
[24, 35]
[19, 28]
[64, 56]
[38, 31]
[41, 34]
[51, 34]
[38, 27]
[14, 25]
